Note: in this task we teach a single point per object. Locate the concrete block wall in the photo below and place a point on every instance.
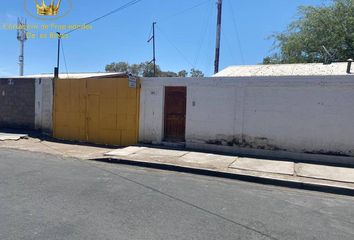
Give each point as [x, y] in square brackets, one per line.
[295, 114]
[17, 109]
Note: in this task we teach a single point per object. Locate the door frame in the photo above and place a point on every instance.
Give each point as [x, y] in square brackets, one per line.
[164, 114]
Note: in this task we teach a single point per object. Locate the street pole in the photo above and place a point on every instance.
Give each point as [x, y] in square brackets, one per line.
[22, 37]
[218, 36]
[56, 70]
[153, 47]
[22, 58]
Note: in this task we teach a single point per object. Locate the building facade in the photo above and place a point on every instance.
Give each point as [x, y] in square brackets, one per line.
[302, 114]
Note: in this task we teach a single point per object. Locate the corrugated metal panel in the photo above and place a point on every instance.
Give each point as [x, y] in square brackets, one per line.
[70, 110]
[97, 110]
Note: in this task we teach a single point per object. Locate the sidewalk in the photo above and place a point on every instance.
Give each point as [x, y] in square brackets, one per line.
[317, 177]
[276, 172]
[44, 144]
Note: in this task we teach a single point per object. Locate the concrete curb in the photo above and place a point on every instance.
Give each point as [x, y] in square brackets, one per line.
[245, 178]
[311, 158]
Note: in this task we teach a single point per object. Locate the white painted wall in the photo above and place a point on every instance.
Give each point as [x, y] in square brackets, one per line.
[44, 105]
[297, 114]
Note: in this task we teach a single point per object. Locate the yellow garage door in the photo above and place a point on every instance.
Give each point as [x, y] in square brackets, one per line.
[97, 110]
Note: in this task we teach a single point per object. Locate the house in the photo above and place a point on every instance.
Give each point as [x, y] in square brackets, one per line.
[301, 108]
[297, 108]
[99, 108]
[26, 103]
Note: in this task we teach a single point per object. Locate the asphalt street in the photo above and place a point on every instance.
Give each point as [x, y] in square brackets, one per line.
[48, 197]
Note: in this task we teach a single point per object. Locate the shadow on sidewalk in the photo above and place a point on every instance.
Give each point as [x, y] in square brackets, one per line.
[254, 156]
[48, 138]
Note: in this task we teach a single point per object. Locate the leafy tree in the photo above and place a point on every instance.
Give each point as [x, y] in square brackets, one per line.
[136, 69]
[117, 67]
[320, 34]
[168, 74]
[146, 69]
[182, 73]
[196, 73]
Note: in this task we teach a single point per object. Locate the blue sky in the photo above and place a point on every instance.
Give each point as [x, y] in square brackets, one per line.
[185, 38]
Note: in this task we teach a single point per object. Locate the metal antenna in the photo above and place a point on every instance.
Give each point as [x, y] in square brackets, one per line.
[22, 37]
[153, 47]
[218, 36]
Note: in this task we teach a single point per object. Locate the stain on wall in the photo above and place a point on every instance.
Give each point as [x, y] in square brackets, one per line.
[303, 114]
[245, 142]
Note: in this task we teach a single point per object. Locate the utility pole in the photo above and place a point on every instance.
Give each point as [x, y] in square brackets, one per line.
[218, 36]
[22, 37]
[153, 47]
[56, 69]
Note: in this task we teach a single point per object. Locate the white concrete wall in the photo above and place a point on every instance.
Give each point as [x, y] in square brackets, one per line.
[297, 114]
[44, 105]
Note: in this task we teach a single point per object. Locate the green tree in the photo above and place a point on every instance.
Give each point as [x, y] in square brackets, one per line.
[196, 73]
[117, 67]
[146, 69]
[320, 34]
[168, 74]
[182, 73]
[136, 69]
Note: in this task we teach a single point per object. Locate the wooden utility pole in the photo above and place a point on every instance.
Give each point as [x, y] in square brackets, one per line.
[56, 69]
[153, 47]
[218, 36]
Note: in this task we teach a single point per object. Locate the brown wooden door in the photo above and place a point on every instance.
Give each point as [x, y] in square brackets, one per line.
[175, 113]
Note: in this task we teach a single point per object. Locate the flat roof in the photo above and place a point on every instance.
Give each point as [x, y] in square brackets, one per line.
[307, 69]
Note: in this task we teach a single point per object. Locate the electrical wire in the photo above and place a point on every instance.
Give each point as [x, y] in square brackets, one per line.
[230, 52]
[129, 4]
[204, 33]
[124, 6]
[177, 49]
[237, 32]
[149, 37]
[185, 10]
[66, 66]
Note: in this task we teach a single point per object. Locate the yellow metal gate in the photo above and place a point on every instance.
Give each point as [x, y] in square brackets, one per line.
[96, 110]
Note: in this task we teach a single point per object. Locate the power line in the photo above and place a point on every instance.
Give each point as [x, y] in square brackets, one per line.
[237, 32]
[66, 66]
[185, 10]
[150, 32]
[230, 52]
[129, 4]
[204, 33]
[177, 49]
